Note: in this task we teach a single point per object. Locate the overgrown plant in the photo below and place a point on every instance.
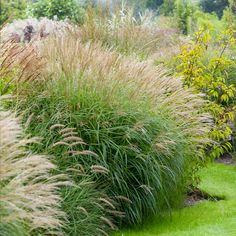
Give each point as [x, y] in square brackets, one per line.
[210, 74]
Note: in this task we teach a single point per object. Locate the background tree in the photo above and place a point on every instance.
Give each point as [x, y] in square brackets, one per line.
[168, 7]
[12, 10]
[154, 4]
[62, 9]
[184, 12]
[216, 6]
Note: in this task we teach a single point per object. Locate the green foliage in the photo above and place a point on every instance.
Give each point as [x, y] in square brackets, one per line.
[209, 21]
[16, 228]
[168, 7]
[229, 17]
[84, 208]
[154, 4]
[184, 13]
[210, 74]
[217, 6]
[12, 9]
[61, 9]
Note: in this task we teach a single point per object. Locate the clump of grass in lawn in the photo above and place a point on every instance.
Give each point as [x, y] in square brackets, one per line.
[140, 127]
[29, 199]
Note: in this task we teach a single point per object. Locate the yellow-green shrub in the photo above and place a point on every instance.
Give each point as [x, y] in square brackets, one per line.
[205, 66]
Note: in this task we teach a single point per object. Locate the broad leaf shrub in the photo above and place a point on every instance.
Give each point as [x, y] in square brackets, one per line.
[59, 9]
[210, 73]
[29, 193]
[140, 133]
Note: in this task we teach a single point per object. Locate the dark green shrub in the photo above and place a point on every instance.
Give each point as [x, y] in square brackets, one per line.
[217, 6]
[61, 9]
[154, 4]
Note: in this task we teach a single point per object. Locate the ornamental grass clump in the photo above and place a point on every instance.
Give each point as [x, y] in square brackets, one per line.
[141, 134]
[29, 198]
[87, 210]
[140, 34]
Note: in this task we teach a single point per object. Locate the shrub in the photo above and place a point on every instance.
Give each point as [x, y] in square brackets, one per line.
[12, 9]
[229, 16]
[61, 9]
[209, 21]
[154, 4]
[210, 74]
[143, 131]
[29, 198]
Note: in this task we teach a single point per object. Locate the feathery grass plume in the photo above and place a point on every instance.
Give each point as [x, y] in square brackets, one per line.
[81, 201]
[129, 33]
[32, 29]
[90, 64]
[145, 129]
[18, 63]
[29, 199]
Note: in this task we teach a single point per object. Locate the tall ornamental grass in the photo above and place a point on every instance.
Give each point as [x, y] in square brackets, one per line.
[87, 210]
[141, 134]
[141, 35]
[29, 198]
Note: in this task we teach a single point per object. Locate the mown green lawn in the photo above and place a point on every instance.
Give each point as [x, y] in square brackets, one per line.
[206, 218]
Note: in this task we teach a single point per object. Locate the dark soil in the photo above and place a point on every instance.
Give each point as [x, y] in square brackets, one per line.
[197, 195]
[226, 159]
